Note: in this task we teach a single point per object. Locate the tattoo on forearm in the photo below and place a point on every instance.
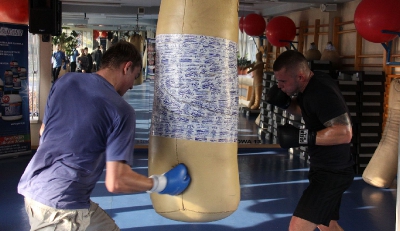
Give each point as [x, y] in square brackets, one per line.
[343, 119]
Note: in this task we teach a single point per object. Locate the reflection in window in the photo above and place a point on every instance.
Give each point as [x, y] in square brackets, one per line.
[33, 64]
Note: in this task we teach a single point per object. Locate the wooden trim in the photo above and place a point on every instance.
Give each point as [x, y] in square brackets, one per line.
[347, 31]
[302, 33]
[357, 58]
[335, 32]
[316, 31]
[248, 93]
[344, 23]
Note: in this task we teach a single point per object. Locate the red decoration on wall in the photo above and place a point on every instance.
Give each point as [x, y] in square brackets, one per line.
[254, 25]
[373, 16]
[96, 34]
[280, 28]
[241, 22]
[104, 34]
[14, 11]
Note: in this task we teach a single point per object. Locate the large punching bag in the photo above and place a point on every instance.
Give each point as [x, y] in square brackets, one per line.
[382, 168]
[195, 109]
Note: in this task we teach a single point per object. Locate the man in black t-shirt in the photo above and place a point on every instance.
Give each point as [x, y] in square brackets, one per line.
[328, 132]
[89, 56]
[97, 58]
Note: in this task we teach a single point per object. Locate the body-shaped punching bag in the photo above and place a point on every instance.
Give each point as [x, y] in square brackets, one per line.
[195, 109]
[313, 53]
[330, 54]
[258, 70]
[382, 168]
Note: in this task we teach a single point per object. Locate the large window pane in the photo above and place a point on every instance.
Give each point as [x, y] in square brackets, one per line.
[33, 65]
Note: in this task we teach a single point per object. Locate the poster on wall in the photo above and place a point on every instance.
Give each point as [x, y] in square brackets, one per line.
[14, 103]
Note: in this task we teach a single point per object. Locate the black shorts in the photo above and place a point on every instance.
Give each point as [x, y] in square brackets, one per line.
[320, 202]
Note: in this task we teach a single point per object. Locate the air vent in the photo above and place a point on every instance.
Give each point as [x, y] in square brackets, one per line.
[328, 7]
[140, 10]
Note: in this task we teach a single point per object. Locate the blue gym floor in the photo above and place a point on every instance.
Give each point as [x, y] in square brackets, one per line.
[271, 181]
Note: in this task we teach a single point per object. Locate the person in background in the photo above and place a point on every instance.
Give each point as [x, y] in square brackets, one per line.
[97, 58]
[90, 60]
[86, 130]
[72, 58]
[328, 133]
[58, 58]
[82, 62]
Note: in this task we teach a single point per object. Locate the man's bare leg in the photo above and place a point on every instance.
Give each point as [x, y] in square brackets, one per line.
[333, 226]
[299, 224]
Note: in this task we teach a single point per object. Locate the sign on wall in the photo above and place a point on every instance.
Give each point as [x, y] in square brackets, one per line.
[14, 103]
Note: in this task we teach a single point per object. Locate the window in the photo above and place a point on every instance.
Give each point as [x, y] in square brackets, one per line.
[33, 78]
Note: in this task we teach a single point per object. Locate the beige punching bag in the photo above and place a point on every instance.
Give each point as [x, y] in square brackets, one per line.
[382, 168]
[330, 54]
[137, 41]
[195, 109]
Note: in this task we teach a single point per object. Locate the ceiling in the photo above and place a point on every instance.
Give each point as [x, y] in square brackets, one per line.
[124, 15]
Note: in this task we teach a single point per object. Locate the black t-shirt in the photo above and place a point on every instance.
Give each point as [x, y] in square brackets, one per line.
[320, 102]
[90, 66]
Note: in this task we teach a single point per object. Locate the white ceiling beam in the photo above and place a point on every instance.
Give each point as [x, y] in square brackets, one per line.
[287, 8]
[131, 10]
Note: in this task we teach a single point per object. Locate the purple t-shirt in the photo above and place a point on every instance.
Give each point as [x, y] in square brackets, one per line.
[86, 124]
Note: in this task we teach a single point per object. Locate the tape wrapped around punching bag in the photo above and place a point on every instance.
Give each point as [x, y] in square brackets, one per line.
[382, 168]
[195, 109]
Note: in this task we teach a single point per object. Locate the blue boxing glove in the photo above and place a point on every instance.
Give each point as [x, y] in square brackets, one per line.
[173, 182]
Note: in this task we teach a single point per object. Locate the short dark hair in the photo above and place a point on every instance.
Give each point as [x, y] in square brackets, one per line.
[119, 53]
[289, 58]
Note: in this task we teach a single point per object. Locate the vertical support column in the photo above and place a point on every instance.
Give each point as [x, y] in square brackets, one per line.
[269, 59]
[335, 33]
[387, 68]
[357, 58]
[303, 27]
[397, 228]
[316, 31]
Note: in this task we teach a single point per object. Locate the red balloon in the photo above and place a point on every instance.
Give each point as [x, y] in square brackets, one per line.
[373, 16]
[96, 34]
[254, 25]
[14, 11]
[280, 28]
[241, 21]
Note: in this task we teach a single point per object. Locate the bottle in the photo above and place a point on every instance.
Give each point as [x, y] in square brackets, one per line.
[11, 106]
[22, 73]
[16, 82]
[14, 67]
[8, 79]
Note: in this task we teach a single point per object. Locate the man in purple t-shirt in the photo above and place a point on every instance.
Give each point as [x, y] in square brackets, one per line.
[87, 127]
